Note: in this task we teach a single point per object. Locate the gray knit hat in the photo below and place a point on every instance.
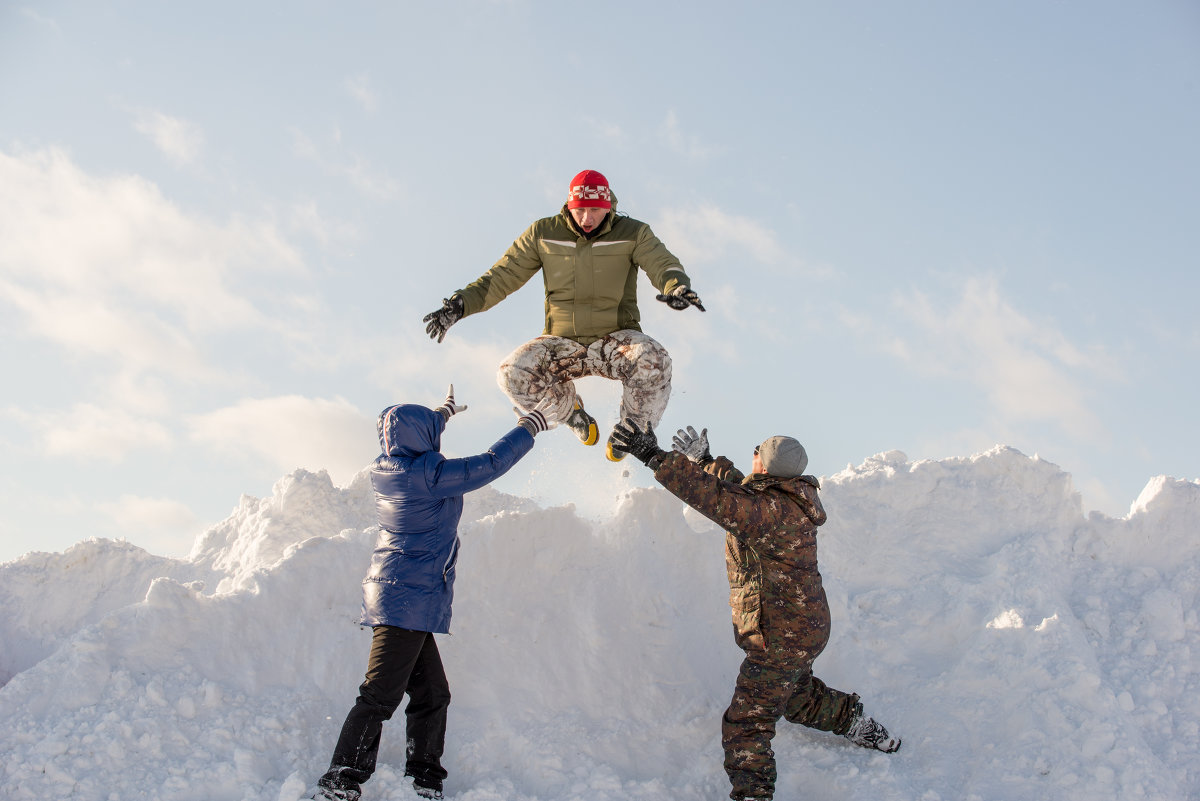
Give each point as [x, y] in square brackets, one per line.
[783, 456]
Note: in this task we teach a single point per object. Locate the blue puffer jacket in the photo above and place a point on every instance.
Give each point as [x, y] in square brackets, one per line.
[418, 498]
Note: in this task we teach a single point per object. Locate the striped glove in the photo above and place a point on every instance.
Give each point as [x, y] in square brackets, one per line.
[448, 409]
[534, 421]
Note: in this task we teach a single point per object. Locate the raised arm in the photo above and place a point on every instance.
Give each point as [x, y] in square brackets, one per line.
[448, 477]
[519, 263]
[728, 504]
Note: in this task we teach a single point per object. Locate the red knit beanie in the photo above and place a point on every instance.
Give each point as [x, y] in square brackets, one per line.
[589, 189]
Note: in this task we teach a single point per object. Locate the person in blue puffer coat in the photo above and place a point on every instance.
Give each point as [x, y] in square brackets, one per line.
[409, 589]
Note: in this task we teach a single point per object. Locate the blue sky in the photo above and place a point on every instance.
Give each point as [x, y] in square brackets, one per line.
[930, 227]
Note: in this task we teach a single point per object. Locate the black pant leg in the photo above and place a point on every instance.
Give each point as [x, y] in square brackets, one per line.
[394, 654]
[428, 702]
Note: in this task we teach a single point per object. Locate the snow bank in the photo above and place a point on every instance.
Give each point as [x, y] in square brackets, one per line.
[1021, 649]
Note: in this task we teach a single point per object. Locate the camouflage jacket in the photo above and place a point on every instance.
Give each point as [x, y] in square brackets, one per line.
[770, 549]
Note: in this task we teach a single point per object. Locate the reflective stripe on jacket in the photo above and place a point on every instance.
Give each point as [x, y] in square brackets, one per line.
[591, 283]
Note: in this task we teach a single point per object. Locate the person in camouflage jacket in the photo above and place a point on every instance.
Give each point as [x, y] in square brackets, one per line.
[589, 257]
[780, 612]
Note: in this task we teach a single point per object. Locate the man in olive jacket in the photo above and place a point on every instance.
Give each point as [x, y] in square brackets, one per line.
[589, 257]
[780, 613]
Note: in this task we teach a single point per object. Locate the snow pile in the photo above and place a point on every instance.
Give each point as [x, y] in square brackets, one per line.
[1021, 649]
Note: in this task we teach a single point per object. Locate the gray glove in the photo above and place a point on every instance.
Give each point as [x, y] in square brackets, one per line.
[438, 323]
[692, 445]
[680, 298]
[448, 409]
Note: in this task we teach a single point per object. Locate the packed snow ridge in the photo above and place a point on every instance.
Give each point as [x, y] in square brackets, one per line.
[1022, 649]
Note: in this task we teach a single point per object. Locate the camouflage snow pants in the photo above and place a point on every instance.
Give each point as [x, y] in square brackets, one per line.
[770, 686]
[548, 365]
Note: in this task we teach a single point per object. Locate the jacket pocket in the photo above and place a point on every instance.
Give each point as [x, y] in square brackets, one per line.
[746, 603]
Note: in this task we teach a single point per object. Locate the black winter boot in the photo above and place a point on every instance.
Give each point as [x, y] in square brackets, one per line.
[335, 785]
[427, 792]
[337, 794]
[866, 732]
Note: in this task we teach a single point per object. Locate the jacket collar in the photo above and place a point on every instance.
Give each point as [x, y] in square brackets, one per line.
[801, 489]
[764, 480]
[607, 226]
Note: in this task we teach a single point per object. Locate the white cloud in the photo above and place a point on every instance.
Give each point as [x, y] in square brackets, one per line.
[38, 19]
[701, 234]
[351, 167]
[393, 361]
[100, 433]
[136, 340]
[178, 139]
[360, 89]
[1029, 371]
[291, 431]
[137, 393]
[161, 525]
[137, 515]
[307, 218]
[604, 129]
[139, 297]
[107, 266]
[683, 144]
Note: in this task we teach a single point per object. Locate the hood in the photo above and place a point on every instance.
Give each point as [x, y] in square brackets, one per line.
[407, 429]
[801, 489]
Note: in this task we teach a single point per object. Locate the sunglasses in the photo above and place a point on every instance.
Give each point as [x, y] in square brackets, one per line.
[756, 450]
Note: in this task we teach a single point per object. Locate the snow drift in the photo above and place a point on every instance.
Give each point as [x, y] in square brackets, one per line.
[1021, 649]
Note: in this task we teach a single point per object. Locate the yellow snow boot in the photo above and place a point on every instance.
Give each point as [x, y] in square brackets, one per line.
[583, 424]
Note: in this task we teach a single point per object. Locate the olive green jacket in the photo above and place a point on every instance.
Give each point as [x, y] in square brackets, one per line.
[591, 284]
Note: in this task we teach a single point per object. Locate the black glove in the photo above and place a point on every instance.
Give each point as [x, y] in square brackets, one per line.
[641, 445]
[680, 298]
[438, 323]
[448, 409]
[692, 445]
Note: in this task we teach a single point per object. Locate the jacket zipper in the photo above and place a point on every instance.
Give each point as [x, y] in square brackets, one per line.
[450, 562]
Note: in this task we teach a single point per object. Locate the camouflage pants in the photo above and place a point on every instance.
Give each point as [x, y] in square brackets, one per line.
[770, 686]
[548, 365]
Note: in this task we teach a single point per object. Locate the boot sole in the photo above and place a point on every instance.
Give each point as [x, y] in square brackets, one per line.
[593, 435]
[593, 432]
